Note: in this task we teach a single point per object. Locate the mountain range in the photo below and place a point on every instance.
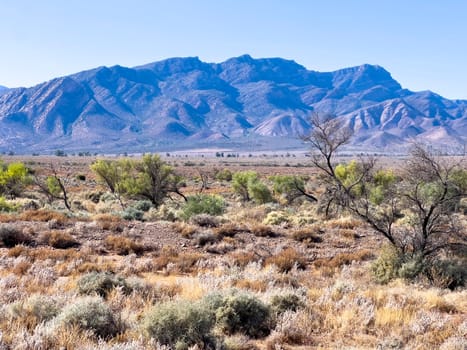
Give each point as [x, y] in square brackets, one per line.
[240, 104]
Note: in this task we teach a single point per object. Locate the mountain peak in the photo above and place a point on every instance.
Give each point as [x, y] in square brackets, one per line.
[176, 65]
[245, 68]
[363, 77]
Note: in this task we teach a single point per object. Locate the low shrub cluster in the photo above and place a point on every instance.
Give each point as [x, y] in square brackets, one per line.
[36, 309]
[59, 239]
[10, 236]
[248, 185]
[181, 324]
[244, 313]
[91, 314]
[203, 204]
[123, 245]
[286, 302]
[392, 263]
[132, 213]
[308, 235]
[101, 283]
[6, 206]
[287, 260]
[223, 175]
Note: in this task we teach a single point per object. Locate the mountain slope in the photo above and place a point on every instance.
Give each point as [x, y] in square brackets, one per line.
[184, 103]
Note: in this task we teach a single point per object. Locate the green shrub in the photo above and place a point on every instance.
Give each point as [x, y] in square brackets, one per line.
[224, 175]
[276, 218]
[248, 185]
[101, 283]
[14, 178]
[386, 266]
[142, 205]
[244, 313]
[286, 302]
[259, 192]
[131, 213]
[212, 302]
[179, 324]
[411, 267]
[59, 240]
[289, 187]
[93, 314]
[205, 220]
[38, 307]
[241, 181]
[203, 204]
[6, 206]
[11, 236]
[391, 264]
[447, 273]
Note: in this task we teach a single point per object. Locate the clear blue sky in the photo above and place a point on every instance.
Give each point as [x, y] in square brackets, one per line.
[421, 42]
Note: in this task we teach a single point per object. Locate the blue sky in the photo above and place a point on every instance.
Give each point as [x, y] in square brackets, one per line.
[421, 42]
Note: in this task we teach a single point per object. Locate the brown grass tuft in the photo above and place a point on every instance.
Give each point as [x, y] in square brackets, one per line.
[186, 230]
[344, 259]
[287, 259]
[347, 233]
[346, 222]
[59, 239]
[307, 235]
[109, 222]
[181, 262]
[21, 268]
[123, 245]
[244, 258]
[253, 285]
[229, 229]
[260, 230]
[44, 215]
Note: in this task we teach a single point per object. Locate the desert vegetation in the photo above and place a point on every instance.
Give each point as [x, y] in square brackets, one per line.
[318, 252]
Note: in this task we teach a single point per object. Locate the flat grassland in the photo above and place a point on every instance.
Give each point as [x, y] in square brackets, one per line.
[91, 279]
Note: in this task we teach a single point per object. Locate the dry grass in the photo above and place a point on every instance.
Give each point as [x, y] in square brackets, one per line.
[261, 230]
[229, 229]
[346, 222]
[307, 235]
[186, 230]
[44, 215]
[59, 239]
[253, 285]
[345, 259]
[123, 245]
[242, 258]
[287, 260]
[344, 308]
[109, 222]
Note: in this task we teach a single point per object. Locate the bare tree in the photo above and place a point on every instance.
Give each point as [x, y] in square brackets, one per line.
[326, 138]
[54, 187]
[155, 180]
[426, 193]
[433, 189]
[204, 178]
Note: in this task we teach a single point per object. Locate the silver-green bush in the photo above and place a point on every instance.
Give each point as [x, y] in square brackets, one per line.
[101, 283]
[179, 324]
[93, 314]
[244, 313]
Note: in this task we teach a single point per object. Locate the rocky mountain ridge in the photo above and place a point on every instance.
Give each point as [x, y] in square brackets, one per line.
[242, 103]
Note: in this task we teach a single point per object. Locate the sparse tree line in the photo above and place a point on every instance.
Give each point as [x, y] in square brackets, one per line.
[417, 208]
